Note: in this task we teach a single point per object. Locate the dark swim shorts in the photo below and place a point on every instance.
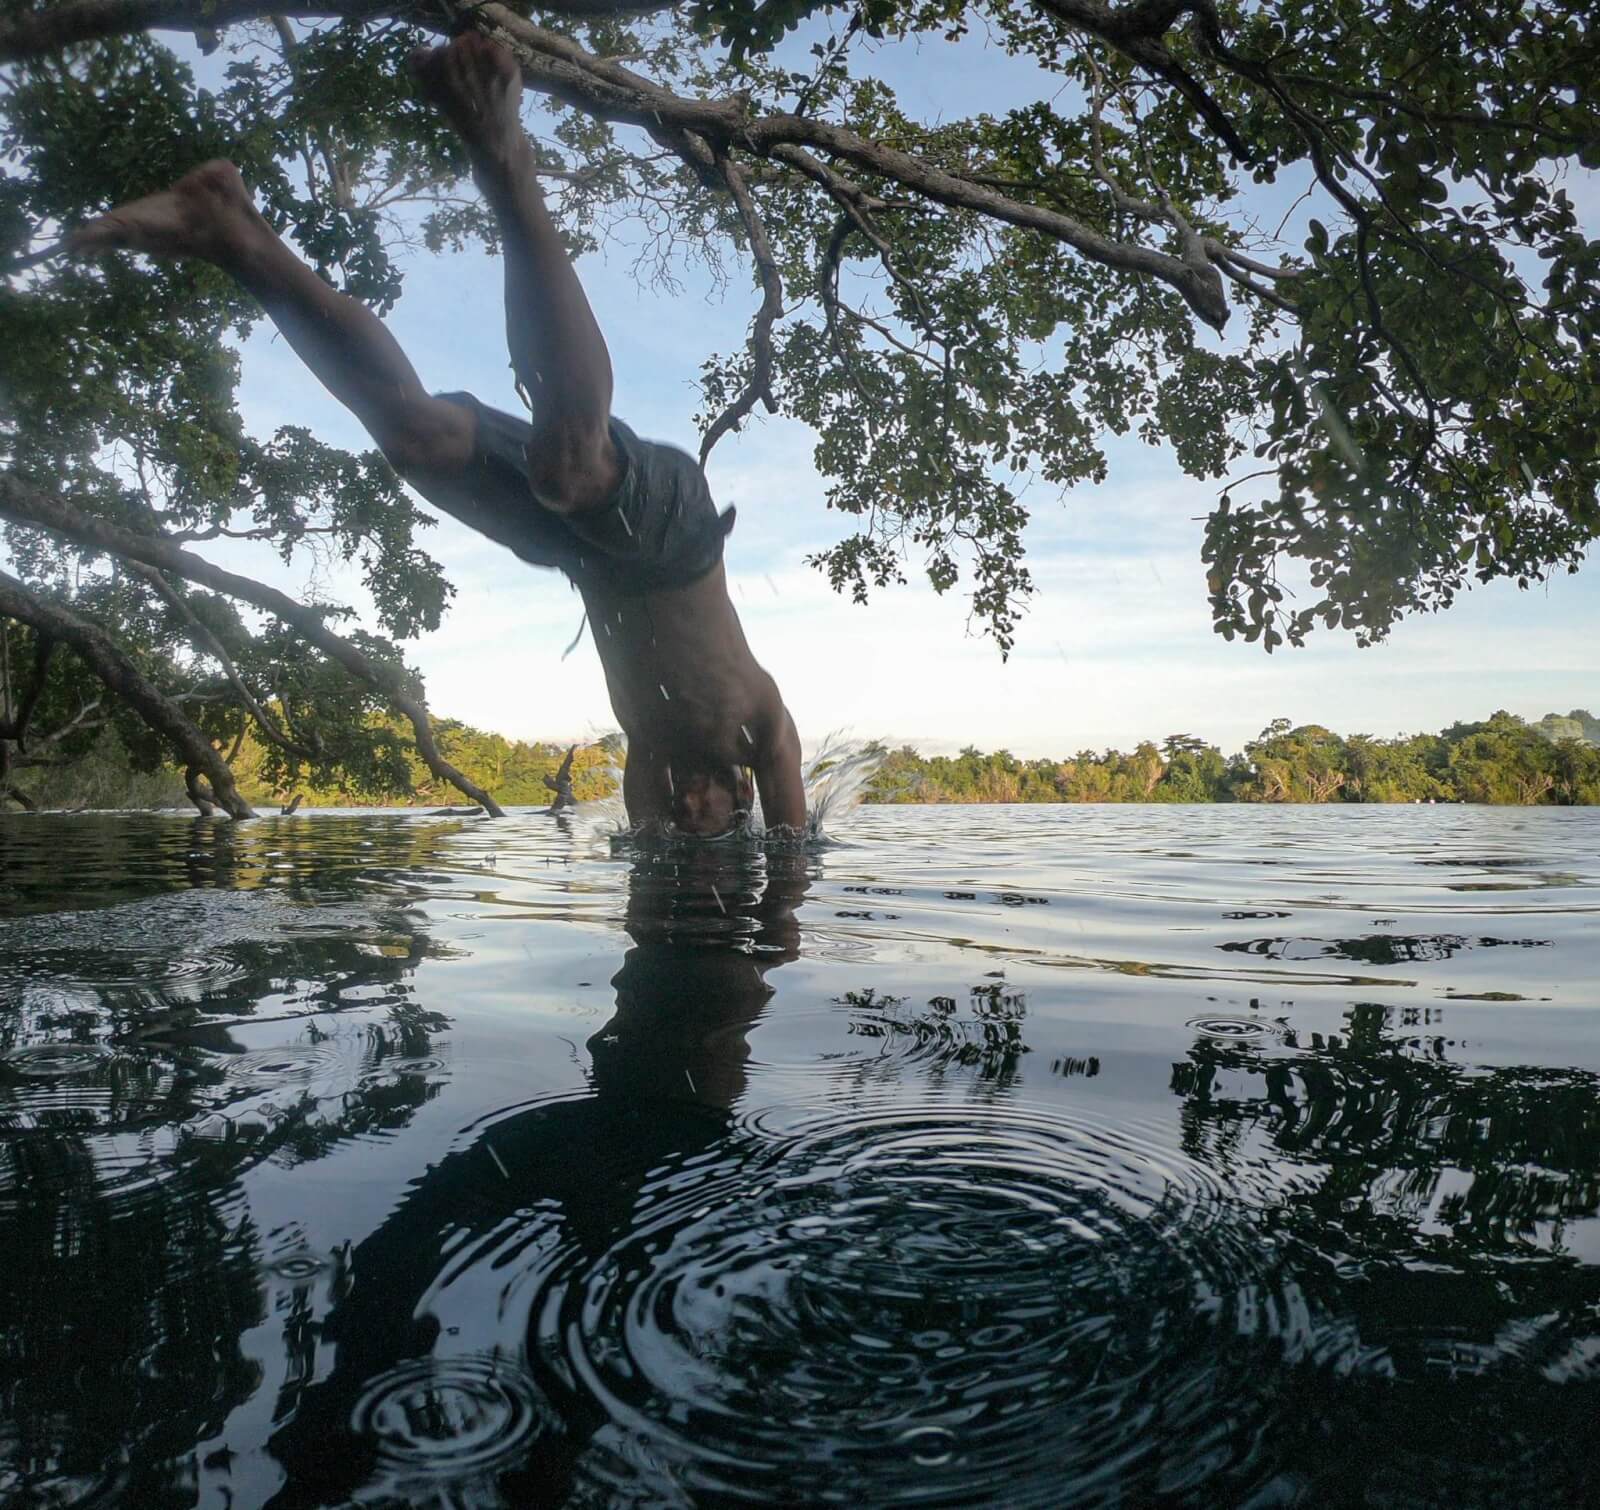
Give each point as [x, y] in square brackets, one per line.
[660, 529]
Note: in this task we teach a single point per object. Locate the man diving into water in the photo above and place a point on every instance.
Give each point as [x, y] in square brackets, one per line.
[630, 522]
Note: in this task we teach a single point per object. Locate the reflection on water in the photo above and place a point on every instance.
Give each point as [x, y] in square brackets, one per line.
[1104, 1156]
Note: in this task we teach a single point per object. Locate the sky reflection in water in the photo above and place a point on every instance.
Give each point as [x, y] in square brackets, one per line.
[1072, 1155]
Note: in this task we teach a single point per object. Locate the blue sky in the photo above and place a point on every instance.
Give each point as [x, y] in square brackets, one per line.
[1117, 645]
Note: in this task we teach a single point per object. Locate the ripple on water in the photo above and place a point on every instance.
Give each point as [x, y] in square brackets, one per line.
[448, 1419]
[115, 1171]
[292, 1064]
[398, 1066]
[75, 1088]
[56, 1061]
[1232, 1029]
[1008, 1293]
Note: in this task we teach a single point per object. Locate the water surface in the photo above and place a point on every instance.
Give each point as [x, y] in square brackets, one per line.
[1105, 1155]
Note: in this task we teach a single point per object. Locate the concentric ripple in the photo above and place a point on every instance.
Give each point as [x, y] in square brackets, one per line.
[1005, 1292]
[1238, 1029]
[448, 1418]
[285, 1065]
[56, 1061]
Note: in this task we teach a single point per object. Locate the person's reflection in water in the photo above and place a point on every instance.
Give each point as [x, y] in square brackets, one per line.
[708, 924]
[706, 931]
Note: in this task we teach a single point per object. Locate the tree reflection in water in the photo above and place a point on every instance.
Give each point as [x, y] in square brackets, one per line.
[128, 1115]
[1452, 1214]
[161, 1344]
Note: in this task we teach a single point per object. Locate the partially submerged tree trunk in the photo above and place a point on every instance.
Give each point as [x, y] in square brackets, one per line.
[199, 793]
[124, 679]
[29, 505]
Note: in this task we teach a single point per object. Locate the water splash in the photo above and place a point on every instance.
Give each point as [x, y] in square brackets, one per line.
[835, 776]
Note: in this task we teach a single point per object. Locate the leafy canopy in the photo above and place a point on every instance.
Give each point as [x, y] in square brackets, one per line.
[1331, 255]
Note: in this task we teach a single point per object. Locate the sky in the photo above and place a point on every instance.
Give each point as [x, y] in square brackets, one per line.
[1117, 645]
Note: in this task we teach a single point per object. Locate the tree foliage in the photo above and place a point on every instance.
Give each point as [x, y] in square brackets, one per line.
[1330, 255]
[1501, 760]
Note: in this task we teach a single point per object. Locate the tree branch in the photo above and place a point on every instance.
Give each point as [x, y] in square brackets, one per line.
[111, 664]
[1136, 31]
[207, 642]
[828, 289]
[17, 729]
[58, 26]
[602, 87]
[759, 387]
[80, 720]
[29, 505]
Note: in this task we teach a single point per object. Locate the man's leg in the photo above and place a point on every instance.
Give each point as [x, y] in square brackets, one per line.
[209, 214]
[556, 346]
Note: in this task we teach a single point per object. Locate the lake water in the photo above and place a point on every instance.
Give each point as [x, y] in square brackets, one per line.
[1027, 1156]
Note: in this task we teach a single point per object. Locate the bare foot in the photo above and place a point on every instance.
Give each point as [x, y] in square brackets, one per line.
[476, 83]
[204, 214]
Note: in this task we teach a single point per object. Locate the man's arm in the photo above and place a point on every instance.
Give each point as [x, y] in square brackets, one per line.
[556, 347]
[778, 778]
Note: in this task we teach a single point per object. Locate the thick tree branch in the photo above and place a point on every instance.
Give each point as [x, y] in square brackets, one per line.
[55, 27]
[29, 505]
[17, 729]
[1136, 32]
[121, 676]
[604, 88]
[558, 66]
[210, 645]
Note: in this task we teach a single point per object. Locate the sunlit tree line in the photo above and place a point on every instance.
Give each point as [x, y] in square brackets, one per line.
[107, 770]
[1503, 759]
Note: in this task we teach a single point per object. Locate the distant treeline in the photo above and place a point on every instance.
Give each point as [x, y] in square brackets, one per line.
[1501, 760]
[512, 769]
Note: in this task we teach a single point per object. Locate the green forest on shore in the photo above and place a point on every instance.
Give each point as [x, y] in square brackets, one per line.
[1502, 760]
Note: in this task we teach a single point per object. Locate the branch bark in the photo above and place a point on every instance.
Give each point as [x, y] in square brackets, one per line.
[17, 729]
[559, 67]
[759, 386]
[59, 26]
[210, 645]
[108, 662]
[29, 505]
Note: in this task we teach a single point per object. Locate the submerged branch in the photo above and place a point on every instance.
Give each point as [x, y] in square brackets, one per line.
[26, 504]
[121, 676]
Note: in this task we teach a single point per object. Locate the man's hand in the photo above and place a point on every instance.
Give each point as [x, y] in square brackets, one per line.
[478, 86]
